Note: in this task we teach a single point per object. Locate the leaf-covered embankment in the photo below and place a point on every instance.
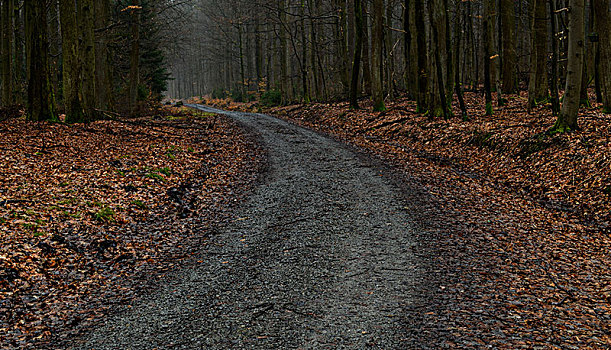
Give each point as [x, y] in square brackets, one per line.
[525, 233]
[87, 212]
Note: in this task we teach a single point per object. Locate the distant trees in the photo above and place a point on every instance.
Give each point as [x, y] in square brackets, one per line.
[315, 49]
[88, 40]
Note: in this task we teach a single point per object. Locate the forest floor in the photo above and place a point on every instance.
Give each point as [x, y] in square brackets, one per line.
[92, 215]
[520, 224]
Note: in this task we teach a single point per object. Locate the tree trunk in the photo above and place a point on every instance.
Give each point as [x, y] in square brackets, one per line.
[356, 63]
[567, 120]
[537, 88]
[603, 26]
[366, 51]
[437, 91]
[376, 57]
[103, 87]
[40, 102]
[71, 64]
[554, 61]
[457, 81]
[7, 52]
[509, 46]
[422, 106]
[87, 57]
[486, 42]
[134, 62]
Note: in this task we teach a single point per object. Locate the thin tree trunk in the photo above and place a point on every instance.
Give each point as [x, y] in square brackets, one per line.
[485, 41]
[567, 120]
[537, 88]
[356, 63]
[366, 51]
[422, 106]
[376, 57]
[509, 46]
[457, 81]
[87, 57]
[603, 26]
[102, 56]
[71, 63]
[40, 103]
[554, 61]
[134, 70]
[7, 52]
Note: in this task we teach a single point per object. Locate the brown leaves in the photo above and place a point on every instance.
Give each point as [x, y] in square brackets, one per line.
[521, 219]
[85, 208]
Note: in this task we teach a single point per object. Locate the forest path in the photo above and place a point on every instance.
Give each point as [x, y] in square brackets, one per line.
[321, 256]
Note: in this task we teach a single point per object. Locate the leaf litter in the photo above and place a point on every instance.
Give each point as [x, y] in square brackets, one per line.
[91, 215]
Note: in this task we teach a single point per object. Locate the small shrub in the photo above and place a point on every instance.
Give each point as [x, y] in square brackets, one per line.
[105, 214]
[140, 204]
[155, 176]
[271, 98]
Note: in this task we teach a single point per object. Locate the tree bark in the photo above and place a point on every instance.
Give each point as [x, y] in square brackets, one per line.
[508, 24]
[40, 102]
[103, 87]
[356, 63]
[567, 120]
[486, 42]
[71, 63]
[87, 57]
[537, 88]
[603, 27]
[422, 106]
[7, 52]
[134, 70]
[376, 57]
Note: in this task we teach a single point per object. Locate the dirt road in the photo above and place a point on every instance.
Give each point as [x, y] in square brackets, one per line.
[321, 256]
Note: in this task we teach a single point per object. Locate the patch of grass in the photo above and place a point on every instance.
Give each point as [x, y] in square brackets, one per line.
[165, 171]
[140, 204]
[120, 172]
[105, 214]
[204, 115]
[482, 139]
[2, 220]
[607, 190]
[64, 184]
[155, 176]
[67, 201]
[190, 149]
[533, 145]
[30, 226]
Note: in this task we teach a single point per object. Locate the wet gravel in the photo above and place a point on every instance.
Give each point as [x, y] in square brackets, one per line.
[322, 255]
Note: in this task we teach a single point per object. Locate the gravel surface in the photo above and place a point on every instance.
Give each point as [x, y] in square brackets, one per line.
[321, 256]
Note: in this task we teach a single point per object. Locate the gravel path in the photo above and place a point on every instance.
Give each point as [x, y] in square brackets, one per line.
[321, 256]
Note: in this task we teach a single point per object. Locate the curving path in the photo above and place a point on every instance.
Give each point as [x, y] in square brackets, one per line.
[321, 256]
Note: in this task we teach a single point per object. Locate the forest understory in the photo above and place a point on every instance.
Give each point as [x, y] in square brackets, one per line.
[519, 221]
[92, 215]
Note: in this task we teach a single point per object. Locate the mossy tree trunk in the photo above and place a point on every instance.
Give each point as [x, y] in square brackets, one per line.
[40, 101]
[567, 120]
